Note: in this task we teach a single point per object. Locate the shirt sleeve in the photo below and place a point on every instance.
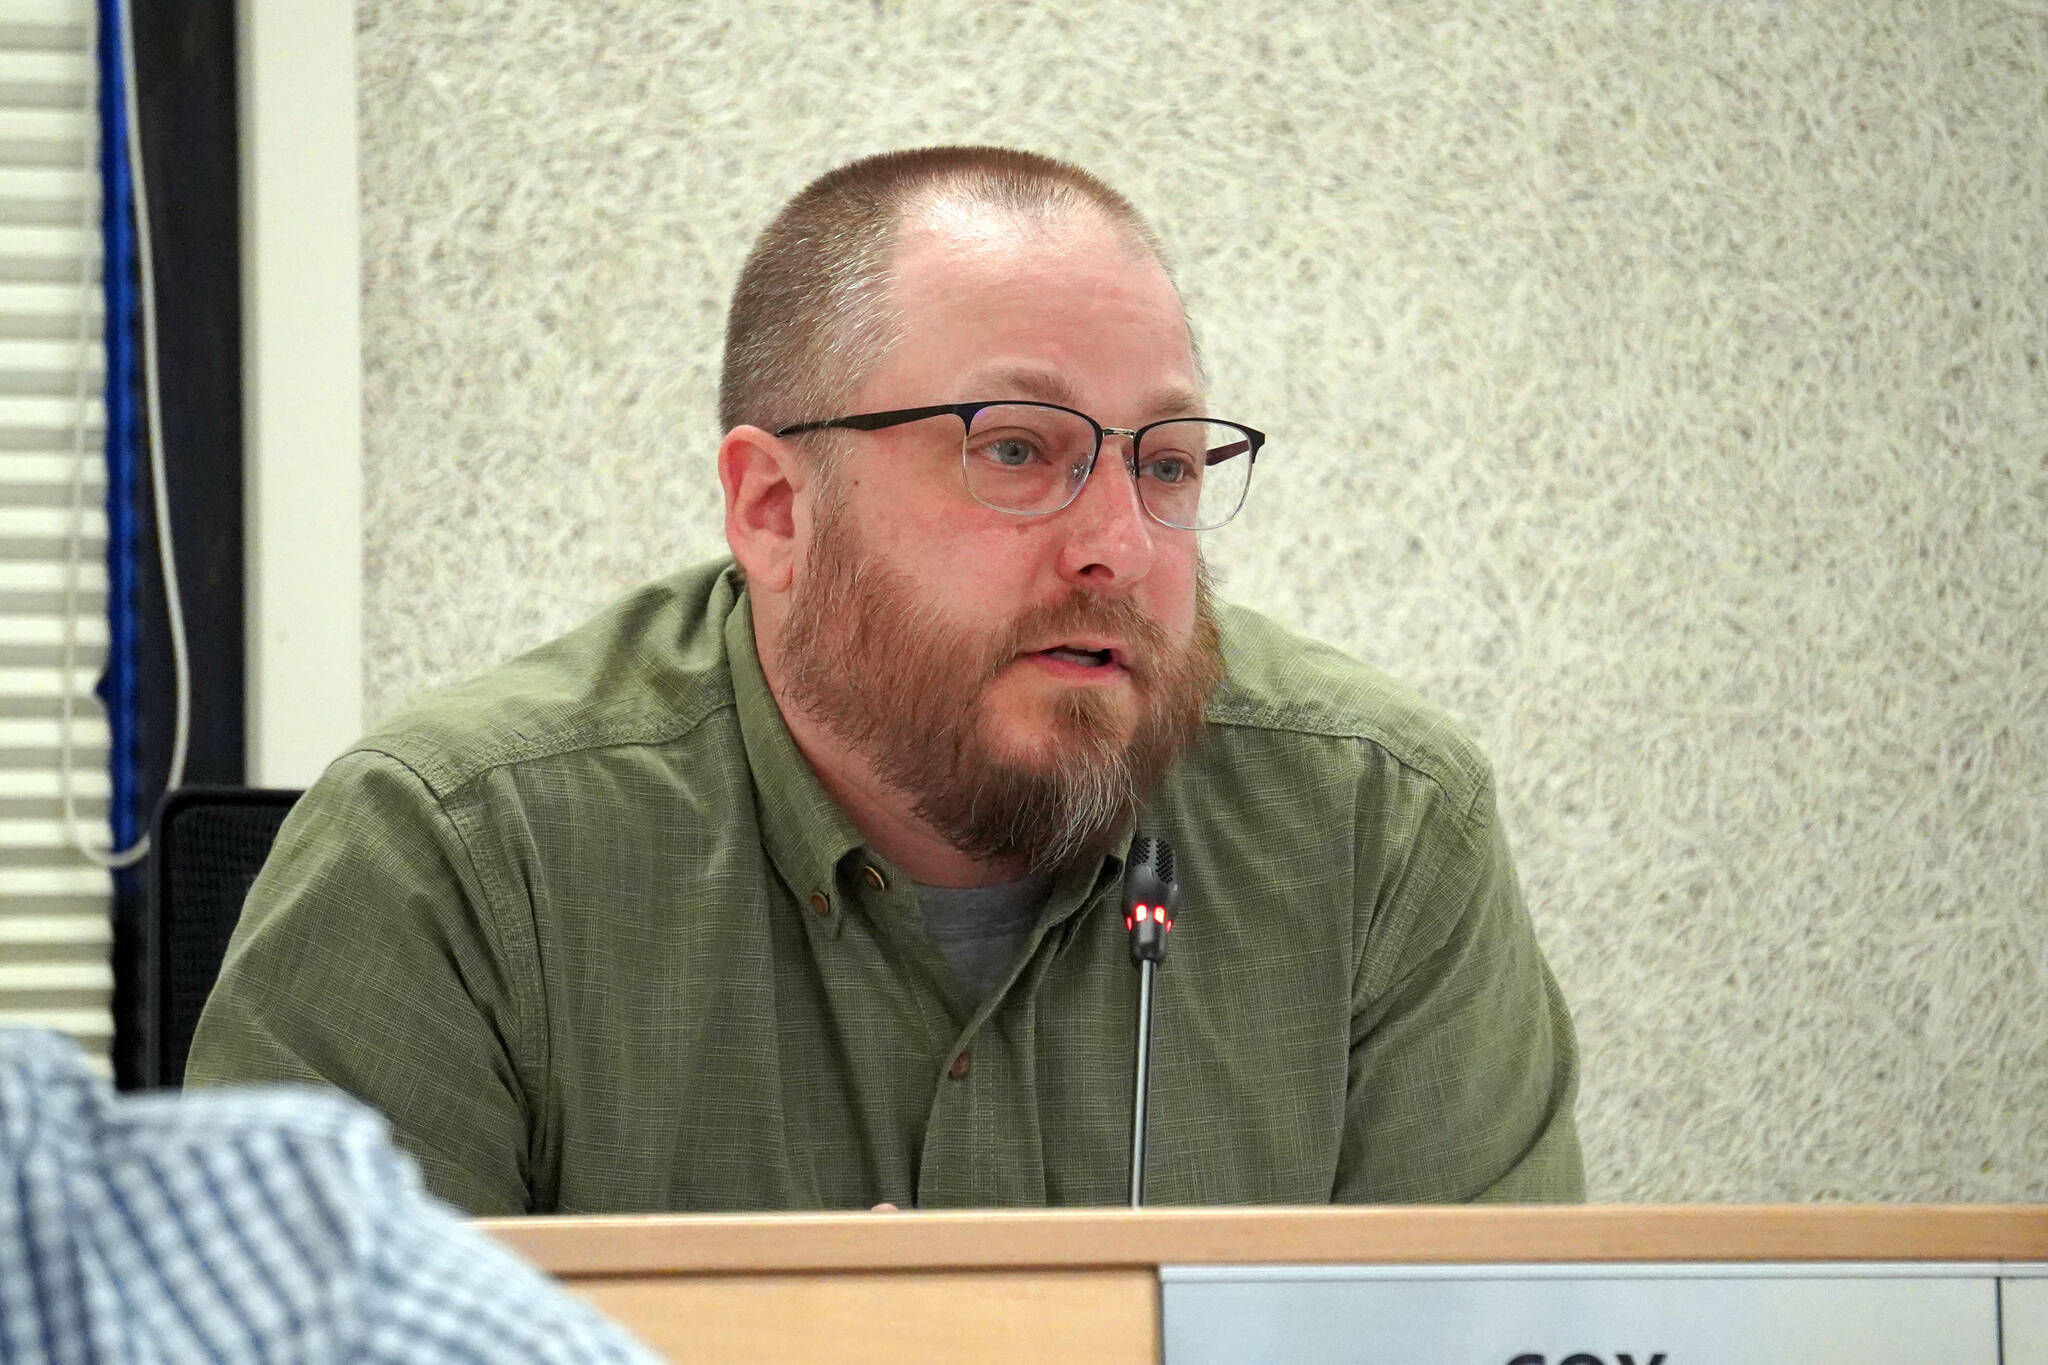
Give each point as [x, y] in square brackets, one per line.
[366, 958]
[246, 1224]
[1463, 1064]
[438, 1290]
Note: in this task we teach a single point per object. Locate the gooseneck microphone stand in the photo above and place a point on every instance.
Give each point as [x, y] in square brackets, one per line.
[1150, 894]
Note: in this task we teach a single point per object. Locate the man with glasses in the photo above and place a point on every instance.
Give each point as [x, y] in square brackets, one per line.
[791, 882]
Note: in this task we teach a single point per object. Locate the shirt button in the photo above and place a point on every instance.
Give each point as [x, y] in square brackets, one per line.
[874, 878]
[819, 905]
[961, 1066]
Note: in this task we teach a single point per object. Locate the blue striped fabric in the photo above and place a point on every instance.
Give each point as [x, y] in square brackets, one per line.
[255, 1225]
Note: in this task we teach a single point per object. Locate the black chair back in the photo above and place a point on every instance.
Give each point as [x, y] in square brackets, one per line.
[208, 846]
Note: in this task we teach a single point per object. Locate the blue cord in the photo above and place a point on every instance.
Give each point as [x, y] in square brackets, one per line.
[117, 688]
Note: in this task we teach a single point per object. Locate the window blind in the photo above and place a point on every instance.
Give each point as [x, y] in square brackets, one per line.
[55, 906]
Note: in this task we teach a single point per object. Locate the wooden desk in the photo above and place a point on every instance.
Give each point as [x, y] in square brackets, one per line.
[1084, 1285]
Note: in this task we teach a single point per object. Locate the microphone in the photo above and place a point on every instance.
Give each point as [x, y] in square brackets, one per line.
[1151, 892]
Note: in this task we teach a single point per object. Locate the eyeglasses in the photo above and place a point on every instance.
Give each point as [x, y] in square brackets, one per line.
[1032, 459]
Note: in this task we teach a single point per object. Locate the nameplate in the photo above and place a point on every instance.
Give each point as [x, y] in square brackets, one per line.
[1890, 1313]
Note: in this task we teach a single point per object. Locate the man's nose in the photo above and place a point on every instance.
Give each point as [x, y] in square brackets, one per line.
[1110, 538]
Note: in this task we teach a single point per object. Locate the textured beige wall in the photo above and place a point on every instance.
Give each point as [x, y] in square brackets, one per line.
[1661, 384]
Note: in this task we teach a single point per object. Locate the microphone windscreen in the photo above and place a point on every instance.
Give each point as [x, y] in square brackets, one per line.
[1149, 874]
[1159, 853]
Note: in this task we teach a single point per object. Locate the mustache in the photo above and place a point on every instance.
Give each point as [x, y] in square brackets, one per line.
[1083, 613]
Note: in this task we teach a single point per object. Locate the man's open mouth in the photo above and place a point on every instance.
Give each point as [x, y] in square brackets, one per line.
[1088, 658]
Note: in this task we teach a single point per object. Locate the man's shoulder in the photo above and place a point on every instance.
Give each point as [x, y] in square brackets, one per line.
[1278, 680]
[51, 1099]
[646, 670]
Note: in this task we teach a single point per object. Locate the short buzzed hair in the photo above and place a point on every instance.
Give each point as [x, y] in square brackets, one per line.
[810, 316]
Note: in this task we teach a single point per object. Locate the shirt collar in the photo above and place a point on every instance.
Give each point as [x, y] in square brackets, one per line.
[804, 830]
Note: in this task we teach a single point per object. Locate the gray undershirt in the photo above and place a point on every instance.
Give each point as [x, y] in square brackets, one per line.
[980, 930]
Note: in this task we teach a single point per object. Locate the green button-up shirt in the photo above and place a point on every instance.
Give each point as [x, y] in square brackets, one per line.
[591, 934]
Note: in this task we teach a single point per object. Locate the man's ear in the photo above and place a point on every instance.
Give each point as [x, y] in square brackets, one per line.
[762, 477]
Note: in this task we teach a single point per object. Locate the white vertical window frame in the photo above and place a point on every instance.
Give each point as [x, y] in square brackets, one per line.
[55, 905]
[301, 385]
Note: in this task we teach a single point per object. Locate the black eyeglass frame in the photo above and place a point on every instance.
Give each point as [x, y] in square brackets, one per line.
[967, 412]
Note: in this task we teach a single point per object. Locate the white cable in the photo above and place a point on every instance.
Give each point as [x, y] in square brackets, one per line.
[153, 456]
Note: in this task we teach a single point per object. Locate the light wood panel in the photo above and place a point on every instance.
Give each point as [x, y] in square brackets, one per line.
[1055, 1239]
[1108, 1317]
